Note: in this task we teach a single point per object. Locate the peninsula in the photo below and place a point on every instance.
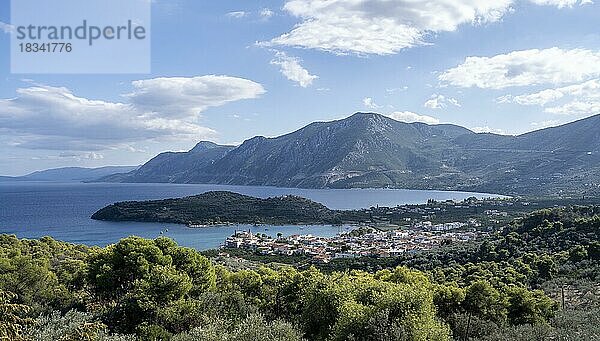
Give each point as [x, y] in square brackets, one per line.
[222, 208]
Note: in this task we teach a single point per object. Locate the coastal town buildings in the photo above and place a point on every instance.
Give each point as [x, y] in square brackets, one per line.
[363, 242]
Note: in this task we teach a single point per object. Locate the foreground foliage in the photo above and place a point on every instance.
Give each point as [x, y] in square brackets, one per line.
[156, 290]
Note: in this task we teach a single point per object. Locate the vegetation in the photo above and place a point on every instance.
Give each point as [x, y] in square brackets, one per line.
[221, 207]
[508, 287]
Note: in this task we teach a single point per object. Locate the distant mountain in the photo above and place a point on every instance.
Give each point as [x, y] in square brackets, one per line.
[174, 167]
[364, 150]
[72, 173]
[563, 159]
[371, 150]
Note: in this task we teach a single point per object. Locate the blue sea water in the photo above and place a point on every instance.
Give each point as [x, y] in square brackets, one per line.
[63, 210]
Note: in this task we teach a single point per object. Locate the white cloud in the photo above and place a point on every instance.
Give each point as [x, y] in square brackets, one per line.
[454, 102]
[576, 107]
[237, 14]
[435, 102]
[504, 99]
[386, 27]
[586, 90]
[370, 103]
[539, 98]
[561, 3]
[410, 117]
[381, 27]
[545, 124]
[440, 102]
[6, 28]
[394, 90]
[53, 118]
[81, 156]
[524, 68]
[263, 14]
[266, 13]
[290, 67]
[188, 96]
[577, 99]
[487, 129]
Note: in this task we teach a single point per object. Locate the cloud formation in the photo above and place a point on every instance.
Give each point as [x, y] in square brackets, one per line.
[188, 96]
[573, 74]
[386, 27]
[562, 3]
[488, 130]
[545, 124]
[266, 13]
[411, 117]
[81, 156]
[54, 118]
[237, 14]
[440, 102]
[525, 68]
[6, 28]
[576, 99]
[370, 103]
[290, 67]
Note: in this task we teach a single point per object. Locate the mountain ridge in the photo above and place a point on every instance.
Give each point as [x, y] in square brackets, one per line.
[71, 173]
[371, 150]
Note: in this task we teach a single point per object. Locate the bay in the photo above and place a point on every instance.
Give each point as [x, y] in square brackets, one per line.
[63, 210]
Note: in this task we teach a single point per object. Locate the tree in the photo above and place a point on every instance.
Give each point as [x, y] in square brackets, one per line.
[529, 307]
[351, 306]
[12, 317]
[72, 326]
[578, 253]
[449, 300]
[484, 301]
[547, 268]
[253, 327]
[139, 277]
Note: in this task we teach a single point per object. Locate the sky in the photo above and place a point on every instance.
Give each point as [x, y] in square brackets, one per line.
[226, 71]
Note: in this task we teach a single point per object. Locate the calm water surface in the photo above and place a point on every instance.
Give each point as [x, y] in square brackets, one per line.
[63, 210]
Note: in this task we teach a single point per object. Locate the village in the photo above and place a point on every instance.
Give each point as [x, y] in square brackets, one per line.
[361, 242]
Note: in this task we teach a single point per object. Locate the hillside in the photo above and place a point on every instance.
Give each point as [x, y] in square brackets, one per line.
[220, 208]
[548, 161]
[364, 150]
[371, 150]
[535, 280]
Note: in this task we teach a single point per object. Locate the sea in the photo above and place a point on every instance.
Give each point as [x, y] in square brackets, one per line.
[62, 210]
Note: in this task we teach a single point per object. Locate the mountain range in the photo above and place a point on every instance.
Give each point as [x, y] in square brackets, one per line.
[71, 174]
[371, 150]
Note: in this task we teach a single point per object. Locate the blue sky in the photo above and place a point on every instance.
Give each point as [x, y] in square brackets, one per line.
[229, 70]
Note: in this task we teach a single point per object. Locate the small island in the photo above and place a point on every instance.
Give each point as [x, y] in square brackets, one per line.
[222, 208]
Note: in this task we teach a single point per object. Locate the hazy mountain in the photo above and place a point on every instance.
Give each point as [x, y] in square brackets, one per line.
[371, 150]
[174, 167]
[72, 173]
[564, 158]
